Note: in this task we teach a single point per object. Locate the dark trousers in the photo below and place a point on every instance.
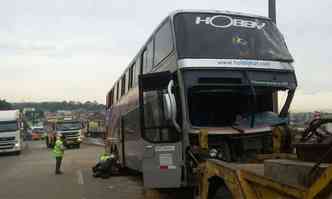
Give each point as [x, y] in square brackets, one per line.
[58, 164]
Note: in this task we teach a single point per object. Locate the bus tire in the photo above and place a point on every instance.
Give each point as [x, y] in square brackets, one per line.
[218, 189]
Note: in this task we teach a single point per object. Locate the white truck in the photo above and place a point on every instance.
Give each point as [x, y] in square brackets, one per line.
[11, 139]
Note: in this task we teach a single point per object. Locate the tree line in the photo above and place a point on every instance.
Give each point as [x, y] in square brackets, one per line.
[4, 105]
[54, 106]
[64, 105]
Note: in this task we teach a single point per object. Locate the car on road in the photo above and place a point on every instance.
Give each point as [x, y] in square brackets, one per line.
[37, 133]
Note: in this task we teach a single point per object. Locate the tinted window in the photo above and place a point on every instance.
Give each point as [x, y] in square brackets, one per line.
[117, 91]
[157, 129]
[137, 71]
[108, 100]
[111, 94]
[123, 84]
[216, 36]
[163, 43]
[148, 57]
[127, 81]
[131, 75]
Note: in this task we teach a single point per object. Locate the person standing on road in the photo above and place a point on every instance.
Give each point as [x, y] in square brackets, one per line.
[58, 152]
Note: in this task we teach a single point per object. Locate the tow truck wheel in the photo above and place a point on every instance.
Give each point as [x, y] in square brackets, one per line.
[218, 189]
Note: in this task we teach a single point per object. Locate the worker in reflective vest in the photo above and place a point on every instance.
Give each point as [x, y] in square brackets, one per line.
[58, 152]
[104, 157]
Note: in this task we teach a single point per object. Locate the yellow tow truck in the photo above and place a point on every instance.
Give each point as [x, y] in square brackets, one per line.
[301, 175]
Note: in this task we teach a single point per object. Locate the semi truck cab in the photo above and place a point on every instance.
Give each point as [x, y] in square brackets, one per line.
[10, 132]
[72, 130]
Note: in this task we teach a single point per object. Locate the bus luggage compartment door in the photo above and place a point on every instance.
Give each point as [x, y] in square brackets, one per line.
[161, 164]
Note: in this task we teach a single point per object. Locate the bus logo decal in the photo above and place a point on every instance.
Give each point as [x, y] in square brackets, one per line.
[223, 21]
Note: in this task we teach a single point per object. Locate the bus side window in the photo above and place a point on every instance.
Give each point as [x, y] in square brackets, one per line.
[130, 77]
[123, 85]
[157, 128]
[137, 71]
[127, 81]
[111, 97]
[163, 43]
[108, 100]
[148, 57]
[117, 91]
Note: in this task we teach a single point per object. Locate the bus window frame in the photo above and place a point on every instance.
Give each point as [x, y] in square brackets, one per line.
[163, 78]
[131, 76]
[108, 100]
[171, 41]
[127, 81]
[147, 64]
[117, 91]
[123, 85]
[111, 98]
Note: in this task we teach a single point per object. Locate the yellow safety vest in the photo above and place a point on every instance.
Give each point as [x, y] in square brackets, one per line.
[58, 149]
[104, 157]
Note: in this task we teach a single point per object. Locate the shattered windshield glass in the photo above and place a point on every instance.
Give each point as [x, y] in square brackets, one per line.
[221, 107]
[266, 118]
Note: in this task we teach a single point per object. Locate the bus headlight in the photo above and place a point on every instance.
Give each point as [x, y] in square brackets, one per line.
[213, 153]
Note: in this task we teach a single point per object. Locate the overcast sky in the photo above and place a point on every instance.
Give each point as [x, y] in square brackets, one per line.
[75, 49]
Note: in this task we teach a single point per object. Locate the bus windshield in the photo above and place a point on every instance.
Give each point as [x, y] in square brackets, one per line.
[8, 126]
[220, 36]
[221, 107]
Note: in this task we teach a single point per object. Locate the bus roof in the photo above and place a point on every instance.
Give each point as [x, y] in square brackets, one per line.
[9, 115]
[216, 12]
[170, 16]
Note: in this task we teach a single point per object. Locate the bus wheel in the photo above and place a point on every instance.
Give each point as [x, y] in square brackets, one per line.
[218, 189]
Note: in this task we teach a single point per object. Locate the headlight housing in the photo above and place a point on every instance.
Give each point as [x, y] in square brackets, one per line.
[17, 145]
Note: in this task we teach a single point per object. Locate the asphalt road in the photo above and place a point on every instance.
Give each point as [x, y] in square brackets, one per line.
[31, 176]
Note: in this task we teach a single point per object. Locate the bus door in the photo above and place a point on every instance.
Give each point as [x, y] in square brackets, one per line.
[161, 164]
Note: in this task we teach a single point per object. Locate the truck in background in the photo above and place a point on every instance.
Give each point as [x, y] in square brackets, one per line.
[72, 130]
[11, 125]
[69, 127]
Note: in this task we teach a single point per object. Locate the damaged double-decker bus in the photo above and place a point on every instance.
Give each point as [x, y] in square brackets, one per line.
[212, 75]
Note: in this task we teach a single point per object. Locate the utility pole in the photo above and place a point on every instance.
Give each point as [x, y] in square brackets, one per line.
[273, 17]
[272, 10]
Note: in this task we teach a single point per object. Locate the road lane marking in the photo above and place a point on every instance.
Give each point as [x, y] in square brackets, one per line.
[80, 177]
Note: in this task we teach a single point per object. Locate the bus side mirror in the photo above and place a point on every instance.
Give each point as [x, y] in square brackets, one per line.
[171, 107]
[167, 107]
